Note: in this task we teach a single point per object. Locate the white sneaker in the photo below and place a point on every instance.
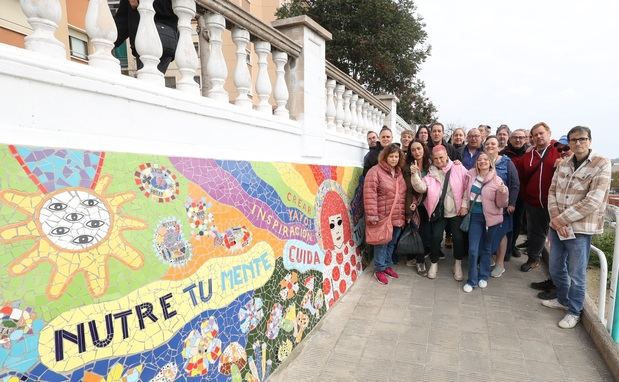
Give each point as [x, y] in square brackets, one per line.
[467, 288]
[569, 321]
[432, 271]
[411, 263]
[458, 270]
[482, 284]
[497, 271]
[554, 304]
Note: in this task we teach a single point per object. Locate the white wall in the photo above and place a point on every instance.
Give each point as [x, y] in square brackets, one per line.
[57, 103]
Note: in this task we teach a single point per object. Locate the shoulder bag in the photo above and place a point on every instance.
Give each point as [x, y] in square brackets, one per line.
[439, 211]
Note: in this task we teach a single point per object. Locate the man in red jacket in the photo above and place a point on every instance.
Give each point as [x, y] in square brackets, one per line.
[537, 168]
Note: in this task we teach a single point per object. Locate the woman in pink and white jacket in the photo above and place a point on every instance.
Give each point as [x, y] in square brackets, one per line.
[486, 196]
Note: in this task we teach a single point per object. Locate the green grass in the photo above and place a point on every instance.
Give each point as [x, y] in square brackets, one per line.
[605, 243]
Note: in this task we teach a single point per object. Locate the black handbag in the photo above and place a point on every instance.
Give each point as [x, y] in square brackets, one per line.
[439, 211]
[410, 242]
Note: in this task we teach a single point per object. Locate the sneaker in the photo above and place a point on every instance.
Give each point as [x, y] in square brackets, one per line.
[569, 321]
[543, 285]
[381, 277]
[554, 304]
[449, 242]
[411, 263]
[391, 273]
[532, 263]
[482, 284]
[547, 294]
[432, 271]
[516, 252]
[421, 269]
[458, 270]
[467, 288]
[497, 271]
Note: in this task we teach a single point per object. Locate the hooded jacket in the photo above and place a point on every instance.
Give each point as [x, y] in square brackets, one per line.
[536, 179]
[432, 185]
[379, 194]
[371, 158]
[493, 199]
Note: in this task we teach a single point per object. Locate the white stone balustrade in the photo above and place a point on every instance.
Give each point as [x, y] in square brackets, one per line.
[339, 108]
[360, 121]
[101, 29]
[186, 57]
[216, 68]
[347, 115]
[263, 82]
[354, 120]
[331, 111]
[280, 93]
[148, 44]
[242, 77]
[43, 16]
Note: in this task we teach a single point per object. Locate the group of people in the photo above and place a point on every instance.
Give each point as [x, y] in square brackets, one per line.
[478, 191]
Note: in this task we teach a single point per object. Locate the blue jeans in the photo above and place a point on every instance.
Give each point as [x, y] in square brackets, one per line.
[480, 248]
[383, 253]
[568, 269]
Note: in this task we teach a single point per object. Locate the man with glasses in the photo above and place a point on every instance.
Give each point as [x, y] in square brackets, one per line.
[536, 170]
[471, 149]
[576, 201]
[517, 146]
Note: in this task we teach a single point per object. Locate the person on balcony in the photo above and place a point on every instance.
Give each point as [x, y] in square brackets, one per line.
[537, 168]
[507, 172]
[417, 159]
[486, 196]
[577, 200]
[371, 158]
[127, 19]
[380, 200]
[444, 188]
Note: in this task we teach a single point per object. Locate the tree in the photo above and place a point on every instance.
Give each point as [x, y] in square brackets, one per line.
[379, 43]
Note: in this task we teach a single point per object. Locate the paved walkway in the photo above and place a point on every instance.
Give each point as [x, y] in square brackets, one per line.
[416, 329]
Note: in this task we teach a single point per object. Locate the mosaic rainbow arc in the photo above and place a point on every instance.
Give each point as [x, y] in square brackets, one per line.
[125, 267]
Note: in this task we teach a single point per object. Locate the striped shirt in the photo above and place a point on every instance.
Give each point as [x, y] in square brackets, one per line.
[578, 197]
[476, 194]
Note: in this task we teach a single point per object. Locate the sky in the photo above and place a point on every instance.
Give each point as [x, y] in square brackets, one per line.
[522, 62]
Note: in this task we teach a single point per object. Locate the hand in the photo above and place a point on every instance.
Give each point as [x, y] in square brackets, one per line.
[414, 168]
[563, 231]
[463, 211]
[134, 3]
[457, 162]
[511, 209]
[555, 224]
[413, 206]
[503, 188]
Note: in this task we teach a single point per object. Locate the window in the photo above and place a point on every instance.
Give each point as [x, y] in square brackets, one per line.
[170, 82]
[79, 48]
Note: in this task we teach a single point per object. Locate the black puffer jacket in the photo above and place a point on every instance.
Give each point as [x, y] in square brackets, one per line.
[371, 158]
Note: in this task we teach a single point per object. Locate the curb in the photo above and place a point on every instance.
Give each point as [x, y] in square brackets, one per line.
[601, 339]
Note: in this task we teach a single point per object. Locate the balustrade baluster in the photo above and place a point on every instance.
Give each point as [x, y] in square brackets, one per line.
[186, 57]
[339, 108]
[366, 120]
[101, 29]
[353, 114]
[360, 121]
[216, 68]
[242, 77]
[330, 105]
[43, 16]
[263, 82]
[347, 114]
[148, 44]
[280, 93]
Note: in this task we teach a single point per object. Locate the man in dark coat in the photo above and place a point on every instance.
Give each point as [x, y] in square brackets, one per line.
[437, 134]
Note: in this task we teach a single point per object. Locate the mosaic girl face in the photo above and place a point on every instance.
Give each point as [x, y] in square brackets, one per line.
[74, 220]
[336, 226]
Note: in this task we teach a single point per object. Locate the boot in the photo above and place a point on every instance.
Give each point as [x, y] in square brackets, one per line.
[458, 270]
[432, 271]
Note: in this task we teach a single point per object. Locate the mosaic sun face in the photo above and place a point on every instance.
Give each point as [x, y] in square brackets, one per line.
[74, 220]
[76, 230]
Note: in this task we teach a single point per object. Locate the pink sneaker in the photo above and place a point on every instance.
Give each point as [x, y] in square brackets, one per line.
[381, 277]
[391, 273]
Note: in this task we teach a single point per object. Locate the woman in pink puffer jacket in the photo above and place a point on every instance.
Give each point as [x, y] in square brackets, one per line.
[486, 196]
[379, 195]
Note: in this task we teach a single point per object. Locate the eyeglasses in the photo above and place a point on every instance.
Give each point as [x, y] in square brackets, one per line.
[519, 138]
[580, 140]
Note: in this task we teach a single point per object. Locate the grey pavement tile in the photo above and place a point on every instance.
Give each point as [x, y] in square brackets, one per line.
[445, 338]
[544, 371]
[539, 351]
[474, 341]
[410, 353]
[350, 345]
[474, 377]
[406, 372]
[440, 375]
[378, 348]
[583, 373]
[471, 361]
[512, 356]
[478, 325]
[415, 335]
[532, 333]
[442, 358]
[569, 355]
[378, 374]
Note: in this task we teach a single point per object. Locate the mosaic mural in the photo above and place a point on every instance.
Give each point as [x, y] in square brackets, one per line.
[123, 267]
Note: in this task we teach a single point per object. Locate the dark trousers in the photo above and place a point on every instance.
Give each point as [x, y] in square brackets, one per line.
[437, 229]
[538, 221]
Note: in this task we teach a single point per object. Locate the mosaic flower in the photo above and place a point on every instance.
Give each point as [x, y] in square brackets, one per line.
[115, 375]
[308, 303]
[250, 315]
[15, 324]
[234, 239]
[260, 367]
[284, 350]
[233, 355]
[289, 318]
[274, 321]
[201, 221]
[201, 348]
[289, 285]
[301, 323]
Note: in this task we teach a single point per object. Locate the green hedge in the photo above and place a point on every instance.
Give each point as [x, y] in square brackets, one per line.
[606, 243]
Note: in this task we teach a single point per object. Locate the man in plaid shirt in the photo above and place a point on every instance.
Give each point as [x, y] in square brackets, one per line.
[576, 202]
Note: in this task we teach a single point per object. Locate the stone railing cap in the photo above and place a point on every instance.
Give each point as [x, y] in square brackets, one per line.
[388, 97]
[303, 20]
